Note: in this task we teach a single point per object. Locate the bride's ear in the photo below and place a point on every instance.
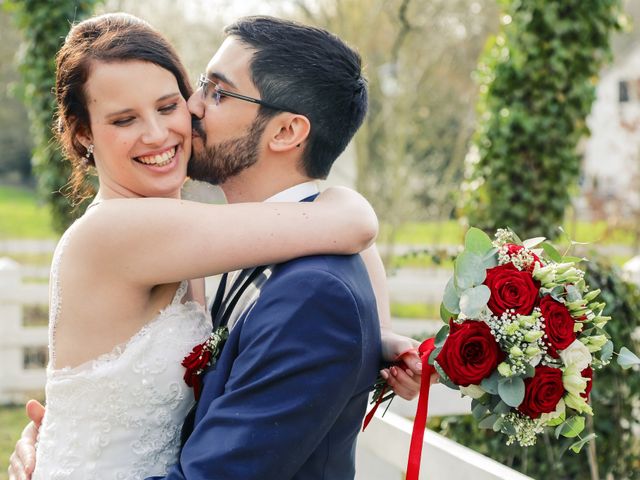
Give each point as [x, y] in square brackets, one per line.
[291, 130]
[83, 136]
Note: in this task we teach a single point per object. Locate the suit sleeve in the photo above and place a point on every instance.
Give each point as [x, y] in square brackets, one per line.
[299, 357]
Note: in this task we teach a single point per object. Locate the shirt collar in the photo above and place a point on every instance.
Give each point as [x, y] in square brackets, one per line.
[295, 193]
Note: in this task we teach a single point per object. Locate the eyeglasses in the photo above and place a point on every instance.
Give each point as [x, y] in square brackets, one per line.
[211, 89]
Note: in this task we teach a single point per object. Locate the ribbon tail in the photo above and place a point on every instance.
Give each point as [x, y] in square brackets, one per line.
[369, 417]
[420, 422]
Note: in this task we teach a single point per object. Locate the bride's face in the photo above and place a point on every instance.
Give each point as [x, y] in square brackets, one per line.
[140, 128]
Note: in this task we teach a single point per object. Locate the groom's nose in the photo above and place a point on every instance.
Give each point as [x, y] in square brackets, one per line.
[196, 104]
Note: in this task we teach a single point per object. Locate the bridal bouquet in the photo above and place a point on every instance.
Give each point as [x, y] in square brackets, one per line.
[524, 336]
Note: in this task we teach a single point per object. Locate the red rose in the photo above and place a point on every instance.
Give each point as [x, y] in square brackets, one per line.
[511, 289]
[195, 363]
[588, 374]
[470, 353]
[514, 249]
[558, 325]
[542, 392]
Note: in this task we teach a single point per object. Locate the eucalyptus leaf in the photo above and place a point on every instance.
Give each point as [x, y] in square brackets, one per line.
[450, 299]
[497, 426]
[572, 293]
[490, 384]
[511, 391]
[444, 379]
[469, 271]
[490, 259]
[477, 241]
[441, 336]
[533, 242]
[551, 252]
[473, 300]
[488, 422]
[479, 411]
[577, 446]
[607, 351]
[502, 408]
[627, 359]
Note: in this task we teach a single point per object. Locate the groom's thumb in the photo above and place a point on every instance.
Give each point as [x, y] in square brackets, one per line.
[35, 411]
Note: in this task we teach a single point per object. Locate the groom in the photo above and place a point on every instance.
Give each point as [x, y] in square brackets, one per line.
[287, 396]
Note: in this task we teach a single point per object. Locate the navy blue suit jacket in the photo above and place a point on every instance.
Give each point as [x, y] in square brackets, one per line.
[288, 394]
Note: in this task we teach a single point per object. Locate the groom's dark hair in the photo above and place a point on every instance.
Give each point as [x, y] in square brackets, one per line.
[312, 72]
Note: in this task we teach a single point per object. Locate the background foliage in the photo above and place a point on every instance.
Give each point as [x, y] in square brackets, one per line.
[537, 84]
[615, 400]
[44, 25]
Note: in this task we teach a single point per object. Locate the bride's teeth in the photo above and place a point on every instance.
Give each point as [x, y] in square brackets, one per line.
[160, 159]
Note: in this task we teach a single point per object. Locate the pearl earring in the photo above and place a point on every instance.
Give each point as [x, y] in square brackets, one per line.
[87, 157]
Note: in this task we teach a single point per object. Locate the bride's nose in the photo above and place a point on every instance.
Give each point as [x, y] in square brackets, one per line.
[155, 132]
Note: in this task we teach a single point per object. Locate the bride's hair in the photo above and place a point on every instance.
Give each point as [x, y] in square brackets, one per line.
[113, 37]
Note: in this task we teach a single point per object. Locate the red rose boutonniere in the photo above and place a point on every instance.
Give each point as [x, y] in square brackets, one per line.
[203, 356]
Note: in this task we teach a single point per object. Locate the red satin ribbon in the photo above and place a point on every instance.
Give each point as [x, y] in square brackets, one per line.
[417, 436]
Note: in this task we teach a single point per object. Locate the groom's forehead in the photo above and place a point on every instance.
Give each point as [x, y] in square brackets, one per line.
[231, 61]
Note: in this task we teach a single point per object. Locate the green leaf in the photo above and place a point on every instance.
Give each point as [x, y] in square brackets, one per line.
[511, 391]
[479, 411]
[533, 242]
[473, 300]
[451, 300]
[469, 270]
[490, 384]
[476, 241]
[445, 314]
[570, 259]
[497, 426]
[502, 407]
[607, 351]
[627, 359]
[490, 259]
[441, 336]
[577, 446]
[572, 293]
[551, 252]
[557, 421]
[488, 421]
[571, 427]
[444, 379]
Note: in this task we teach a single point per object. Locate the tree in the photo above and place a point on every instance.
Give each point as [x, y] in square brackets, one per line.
[537, 80]
[44, 25]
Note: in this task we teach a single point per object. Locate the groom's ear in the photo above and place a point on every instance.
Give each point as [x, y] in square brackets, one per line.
[290, 131]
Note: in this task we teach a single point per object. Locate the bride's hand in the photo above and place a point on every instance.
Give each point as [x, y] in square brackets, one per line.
[23, 459]
[361, 220]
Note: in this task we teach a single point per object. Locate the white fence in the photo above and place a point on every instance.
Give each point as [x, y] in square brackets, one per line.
[22, 348]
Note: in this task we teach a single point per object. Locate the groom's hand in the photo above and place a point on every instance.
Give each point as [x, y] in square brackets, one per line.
[23, 459]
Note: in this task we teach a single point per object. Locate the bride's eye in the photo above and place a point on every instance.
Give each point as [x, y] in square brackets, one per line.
[123, 122]
[168, 108]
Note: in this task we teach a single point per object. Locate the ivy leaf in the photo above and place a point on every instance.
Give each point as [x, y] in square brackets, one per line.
[627, 359]
[571, 427]
[450, 299]
[533, 242]
[469, 270]
[473, 300]
[577, 446]
[476, 241]
[551, 252]
[511, 391]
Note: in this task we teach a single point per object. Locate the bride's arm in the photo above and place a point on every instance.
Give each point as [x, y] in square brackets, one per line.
[153, 241]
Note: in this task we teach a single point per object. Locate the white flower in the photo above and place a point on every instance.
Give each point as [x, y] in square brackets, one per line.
[473, 391]
[573, 380]
[559, 411]
[578, 403]
[576, 354]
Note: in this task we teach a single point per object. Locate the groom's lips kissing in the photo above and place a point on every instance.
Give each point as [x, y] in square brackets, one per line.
[160, 160]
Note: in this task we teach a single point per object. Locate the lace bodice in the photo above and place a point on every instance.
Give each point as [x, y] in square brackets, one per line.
[119, 416]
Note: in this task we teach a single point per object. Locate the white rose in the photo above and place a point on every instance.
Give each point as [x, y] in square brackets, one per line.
[559, 411]
[473, 391]
[576, 354]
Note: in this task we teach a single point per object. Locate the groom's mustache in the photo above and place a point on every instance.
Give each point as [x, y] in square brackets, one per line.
[196, 126]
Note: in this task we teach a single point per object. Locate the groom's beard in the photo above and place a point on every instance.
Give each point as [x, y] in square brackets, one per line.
[219, 162]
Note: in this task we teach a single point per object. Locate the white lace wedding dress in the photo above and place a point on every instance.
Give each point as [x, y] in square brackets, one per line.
[119, 416]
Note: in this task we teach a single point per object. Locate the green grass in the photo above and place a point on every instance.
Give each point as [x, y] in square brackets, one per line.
[22, 215]
[12, 421]
[415, 310]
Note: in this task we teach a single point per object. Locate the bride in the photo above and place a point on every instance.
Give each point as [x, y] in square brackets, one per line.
[127, 295]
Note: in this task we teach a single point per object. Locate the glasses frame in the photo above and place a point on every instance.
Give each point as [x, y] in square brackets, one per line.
[204, 81]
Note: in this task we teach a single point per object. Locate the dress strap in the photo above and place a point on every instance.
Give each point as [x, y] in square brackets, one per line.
[180, 292]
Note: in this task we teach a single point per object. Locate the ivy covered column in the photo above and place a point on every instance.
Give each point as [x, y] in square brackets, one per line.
[537, 84]
[44, 25]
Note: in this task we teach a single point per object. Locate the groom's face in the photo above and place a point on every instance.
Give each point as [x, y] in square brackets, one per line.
[227, 131]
